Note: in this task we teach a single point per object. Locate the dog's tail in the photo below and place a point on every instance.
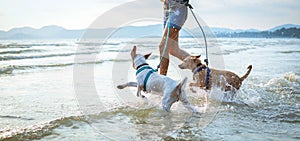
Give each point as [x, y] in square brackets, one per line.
[247, 73]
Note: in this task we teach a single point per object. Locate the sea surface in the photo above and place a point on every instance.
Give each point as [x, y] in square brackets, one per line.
[66, 90]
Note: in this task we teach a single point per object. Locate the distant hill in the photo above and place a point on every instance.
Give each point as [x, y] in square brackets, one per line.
[280, 33]
[47, 32]
[57, 32]
[217, 30]
[286, 26]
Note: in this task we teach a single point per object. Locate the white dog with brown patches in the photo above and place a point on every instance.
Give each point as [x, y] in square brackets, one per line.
[150, 81]
[226, 80]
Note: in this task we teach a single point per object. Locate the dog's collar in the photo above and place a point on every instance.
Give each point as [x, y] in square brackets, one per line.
[200, 69]
[141, 65]
[196, 70]
[142, 68]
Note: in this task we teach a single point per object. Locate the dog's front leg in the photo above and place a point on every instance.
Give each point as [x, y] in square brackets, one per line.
[138, 93]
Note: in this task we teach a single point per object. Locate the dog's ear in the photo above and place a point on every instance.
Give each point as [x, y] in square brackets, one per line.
[195, 57]
[147, 55]
[133, 52]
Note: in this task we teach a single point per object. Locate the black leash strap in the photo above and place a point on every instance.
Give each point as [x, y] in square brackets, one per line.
[204, 36]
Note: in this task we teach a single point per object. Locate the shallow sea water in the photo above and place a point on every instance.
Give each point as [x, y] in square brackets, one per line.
[48, 94]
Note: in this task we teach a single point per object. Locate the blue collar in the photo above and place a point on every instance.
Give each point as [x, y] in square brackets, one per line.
[197, 70]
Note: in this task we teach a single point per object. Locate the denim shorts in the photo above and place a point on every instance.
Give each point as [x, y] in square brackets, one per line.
[176, 16]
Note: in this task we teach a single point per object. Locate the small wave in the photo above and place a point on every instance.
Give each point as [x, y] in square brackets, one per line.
[290, 52]
[6, 70]
[289, 117]
[287, 113]
[227, 52]
[7, 58]
[15, 117]
[42, 130]
[96, 43]
[292, 77]
[38, 131]
[290, 80]
[14, 45]
[19, 51]
[10, 69]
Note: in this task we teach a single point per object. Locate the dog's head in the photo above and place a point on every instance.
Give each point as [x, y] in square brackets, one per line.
[190, 62]
[138, 59]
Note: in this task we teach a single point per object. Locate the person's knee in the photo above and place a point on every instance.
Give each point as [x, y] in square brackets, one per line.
[161, 47]
[174, 52]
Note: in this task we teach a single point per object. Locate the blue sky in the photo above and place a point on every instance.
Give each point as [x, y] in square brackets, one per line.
[75, 14]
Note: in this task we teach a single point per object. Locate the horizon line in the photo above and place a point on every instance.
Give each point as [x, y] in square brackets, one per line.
[142, 26]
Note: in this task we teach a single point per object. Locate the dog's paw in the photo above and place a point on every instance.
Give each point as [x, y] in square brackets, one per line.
[120, 87]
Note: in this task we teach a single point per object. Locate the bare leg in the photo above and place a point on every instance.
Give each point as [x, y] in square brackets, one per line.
[172, 47]
[175, 50]
[165, 57]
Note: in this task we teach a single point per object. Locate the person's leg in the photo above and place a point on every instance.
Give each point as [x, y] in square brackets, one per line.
[164, 63]
[174, 22]
[174, 49]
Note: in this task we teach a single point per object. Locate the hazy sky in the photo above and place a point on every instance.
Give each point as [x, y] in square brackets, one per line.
[75, 14]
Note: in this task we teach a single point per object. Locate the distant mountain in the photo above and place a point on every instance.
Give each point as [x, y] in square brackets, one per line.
[57, 32]
[21, 30]
[224, 30]
[228, 30]
[286, 26]
[282, 31]
[47, 32]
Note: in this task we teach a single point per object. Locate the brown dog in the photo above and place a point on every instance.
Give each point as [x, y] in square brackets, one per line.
[227, 80]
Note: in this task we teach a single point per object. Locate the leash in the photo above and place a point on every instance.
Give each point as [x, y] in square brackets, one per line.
[203, 33]
[167, 39]
[206, 52]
